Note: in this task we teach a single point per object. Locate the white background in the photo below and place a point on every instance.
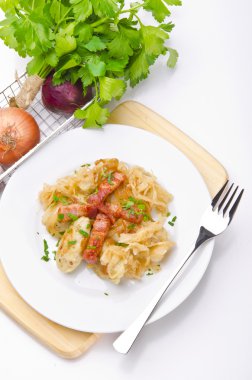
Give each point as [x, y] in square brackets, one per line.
[208, 96]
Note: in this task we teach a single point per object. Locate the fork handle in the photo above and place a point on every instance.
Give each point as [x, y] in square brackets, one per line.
[124, 342]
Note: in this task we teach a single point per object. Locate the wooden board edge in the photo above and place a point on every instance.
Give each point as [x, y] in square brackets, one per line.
[65, 342]
[212, 171]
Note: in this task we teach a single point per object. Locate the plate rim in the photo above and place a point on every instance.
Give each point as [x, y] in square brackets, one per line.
[155, 317]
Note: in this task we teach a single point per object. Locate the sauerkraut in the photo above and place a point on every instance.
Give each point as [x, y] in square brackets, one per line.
[129, 249]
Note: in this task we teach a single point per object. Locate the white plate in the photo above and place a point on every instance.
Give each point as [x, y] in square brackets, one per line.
[77, 300]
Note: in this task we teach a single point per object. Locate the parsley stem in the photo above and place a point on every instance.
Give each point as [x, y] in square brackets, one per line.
[99, 22]
[62, 19]
[132, 9]
[96, 90]
[140, 22]
[44, 71]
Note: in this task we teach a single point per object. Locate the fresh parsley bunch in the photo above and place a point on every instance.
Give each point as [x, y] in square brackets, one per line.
[101, 42]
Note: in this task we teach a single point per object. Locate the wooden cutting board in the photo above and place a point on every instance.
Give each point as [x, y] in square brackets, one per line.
[70, 343]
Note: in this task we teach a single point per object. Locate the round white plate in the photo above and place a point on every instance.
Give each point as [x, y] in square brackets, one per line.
[78, 300]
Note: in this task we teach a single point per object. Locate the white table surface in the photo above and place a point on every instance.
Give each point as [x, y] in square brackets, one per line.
[208, 96]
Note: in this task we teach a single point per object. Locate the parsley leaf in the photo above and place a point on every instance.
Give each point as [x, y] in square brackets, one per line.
[173, 57]
[138, 68]
[95, 44]
[58, 10]
[167, 27]
[153, 39]
[111, 88]
[157, 8]
[120, 47]
[105, 7]
[64, 44]
[95, 116]
[96, 67]
[101, 43]
[82, 9]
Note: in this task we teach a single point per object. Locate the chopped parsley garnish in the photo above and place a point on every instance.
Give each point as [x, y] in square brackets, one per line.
[91, 247]
[127, 205]
[141, 207]
[149, 272]
[72, 216]
[134, 206]
[60, 217]
[54, 254]
[57, 244]
[168, 214]
[106, 294]
[45, 247]
[121, 244]
[62, 233]
[64, 200]
[55, 198]
[171, 222]
[131, 226]
[45, 257]
[104, 172]
[85, 165]
[88, 225]
[146, 217]
[72, 242]
[132, 199]
[110, 178]
[84, 233]
[131, 212]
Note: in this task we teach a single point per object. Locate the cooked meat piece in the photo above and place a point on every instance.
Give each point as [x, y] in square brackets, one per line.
[115, 211]
[77, 210]
[106, 187]
[98, 234]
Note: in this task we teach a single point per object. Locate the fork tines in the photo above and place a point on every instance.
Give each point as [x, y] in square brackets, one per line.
[224, 198]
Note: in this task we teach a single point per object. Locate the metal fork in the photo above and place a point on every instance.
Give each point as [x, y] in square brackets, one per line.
[214, 221]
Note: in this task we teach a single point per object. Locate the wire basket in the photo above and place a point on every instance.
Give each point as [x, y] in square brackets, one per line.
[48, 122]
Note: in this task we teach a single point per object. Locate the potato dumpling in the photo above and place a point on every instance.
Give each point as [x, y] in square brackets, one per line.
[72, 244]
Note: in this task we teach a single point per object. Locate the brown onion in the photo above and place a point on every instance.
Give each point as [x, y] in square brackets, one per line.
[19, 133]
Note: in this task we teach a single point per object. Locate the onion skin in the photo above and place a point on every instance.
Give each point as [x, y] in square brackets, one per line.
[64, 98]
[19, 133]
[2, 184]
